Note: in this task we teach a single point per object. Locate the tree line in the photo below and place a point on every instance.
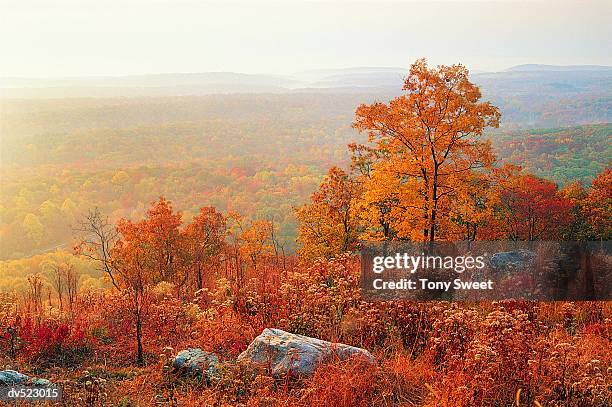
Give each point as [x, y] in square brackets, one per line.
[427, 174]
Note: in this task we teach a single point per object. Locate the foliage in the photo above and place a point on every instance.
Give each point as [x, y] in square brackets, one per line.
[329, 224]
[147, 281]
[425, 143]
[561, 155]
[428, 354]
[598, 205]
[529, 208]
[63, 156]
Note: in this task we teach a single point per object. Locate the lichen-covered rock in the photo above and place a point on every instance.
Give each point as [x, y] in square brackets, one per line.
[285, 353]
[512, 261]
[37, 382]
[11, 377]
[196, 362]
[8, 377]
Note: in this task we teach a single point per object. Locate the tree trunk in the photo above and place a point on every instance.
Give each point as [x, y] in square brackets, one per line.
[139, 352]
[13, 335]
[432, 231]
[425, 206]
[425, 229]
[139, 357]
[199, 276]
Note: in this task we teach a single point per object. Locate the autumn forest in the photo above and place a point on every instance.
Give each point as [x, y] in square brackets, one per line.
[134, 229]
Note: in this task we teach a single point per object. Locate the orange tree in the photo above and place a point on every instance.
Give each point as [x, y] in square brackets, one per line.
[598, 205]
[136, 255]
[329, 223]
[205, 237]
[423, 146]
[578, 228]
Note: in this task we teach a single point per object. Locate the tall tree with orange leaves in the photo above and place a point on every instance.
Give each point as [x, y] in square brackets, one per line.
[148, 252]
[329, 223]
[425, 143]
[205, 239]
[473, 207]
[598, 205]
[579, 228]
[161, 228]
[136, 255]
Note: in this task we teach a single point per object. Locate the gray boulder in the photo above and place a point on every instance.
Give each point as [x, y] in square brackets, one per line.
[196, 362]
[8, 377]
[512, 261]
[36, 382]
[11, 377]
[285, 353]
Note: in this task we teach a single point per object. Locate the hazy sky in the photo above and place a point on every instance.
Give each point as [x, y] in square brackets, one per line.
[81, 37]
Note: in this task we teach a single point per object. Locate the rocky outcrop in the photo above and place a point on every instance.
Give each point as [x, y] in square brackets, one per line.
[284, 353]
[512, 261]
[12, 377]
[196, 362]
[9, 377]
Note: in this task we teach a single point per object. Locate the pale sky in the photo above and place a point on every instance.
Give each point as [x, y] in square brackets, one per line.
[61, 38]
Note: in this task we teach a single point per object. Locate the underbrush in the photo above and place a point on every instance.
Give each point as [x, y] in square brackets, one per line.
[427, 354]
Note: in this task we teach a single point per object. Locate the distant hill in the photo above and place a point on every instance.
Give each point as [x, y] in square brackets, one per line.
[144, 85]
[154, 80]
[176, 84]
[529, 96]
[360, 77]
[549, 98]
[353, 70]
[540, 67]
